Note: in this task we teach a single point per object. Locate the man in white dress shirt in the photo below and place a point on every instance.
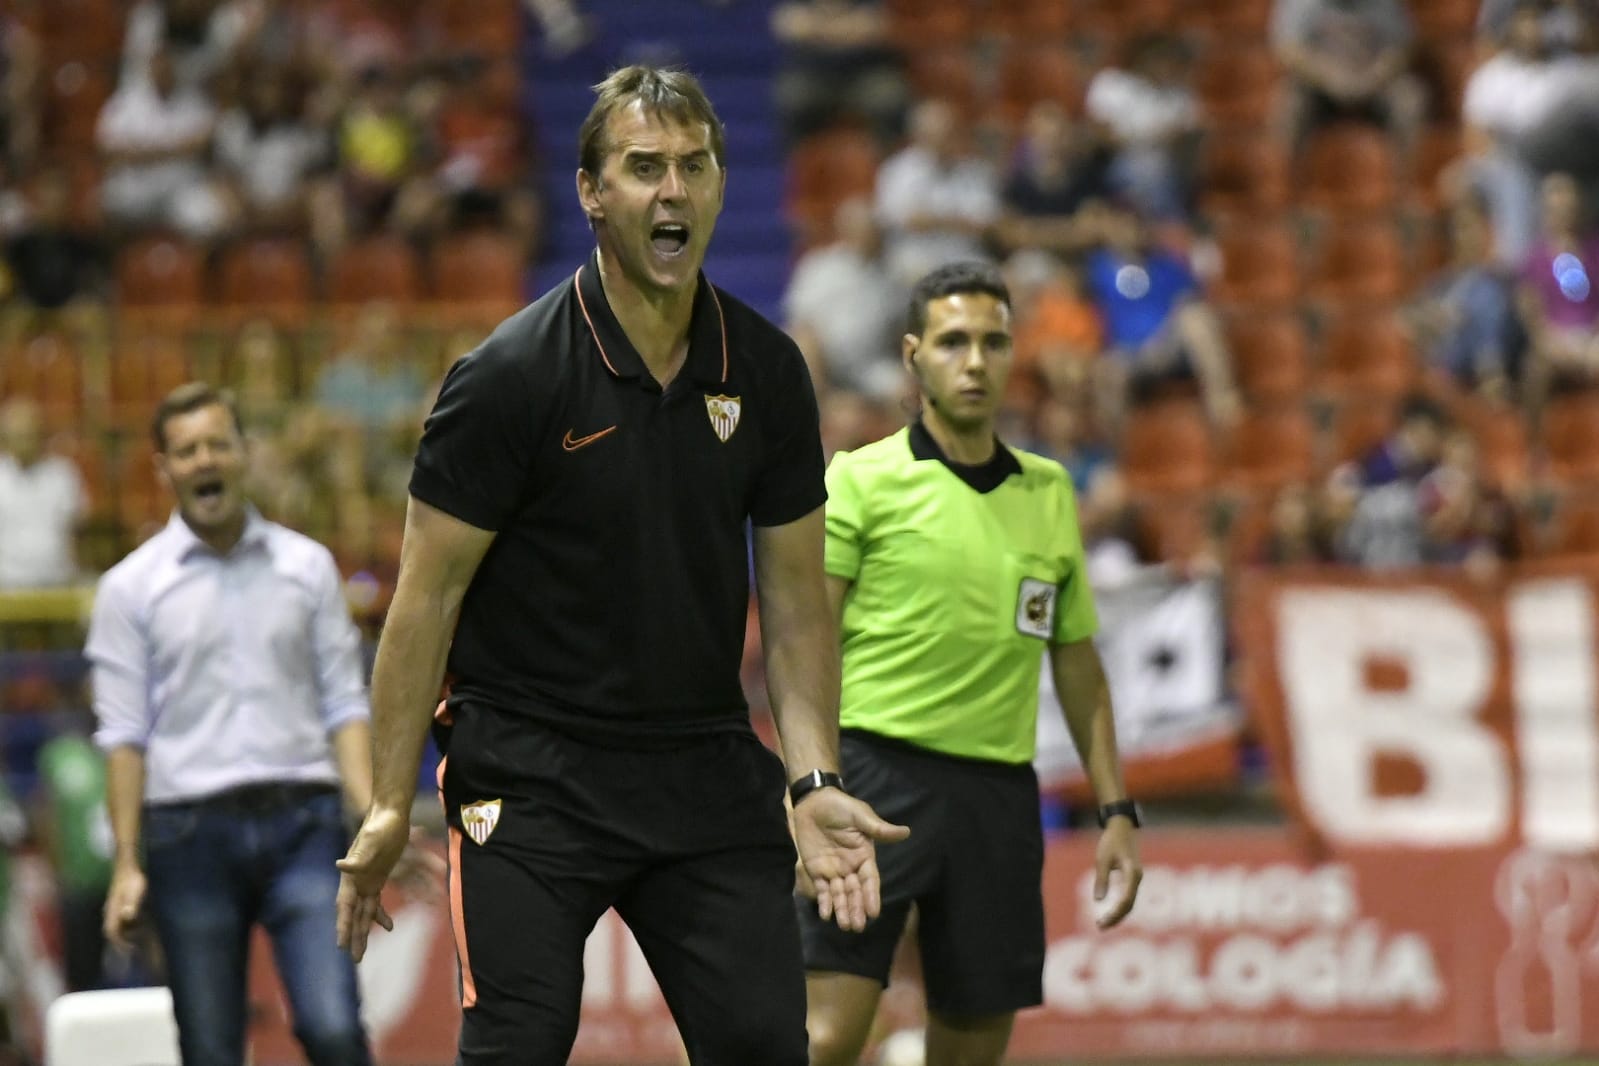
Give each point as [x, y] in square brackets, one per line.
[232, 709]
[42, 500]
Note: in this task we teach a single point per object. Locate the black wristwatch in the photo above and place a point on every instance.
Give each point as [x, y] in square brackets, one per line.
[811, 782]
[1124, 807]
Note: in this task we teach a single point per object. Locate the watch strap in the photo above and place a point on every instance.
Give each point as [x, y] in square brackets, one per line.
[812, 781]
[1126, 808]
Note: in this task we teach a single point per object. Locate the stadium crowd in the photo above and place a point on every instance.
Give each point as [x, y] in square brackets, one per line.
[1295, 281]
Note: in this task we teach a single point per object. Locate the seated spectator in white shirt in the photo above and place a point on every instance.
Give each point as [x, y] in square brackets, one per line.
[846, 312]
[42, 500]
[1348, 59]
[154, 135]
[935, 197]
[267, 152]
[1151, 118]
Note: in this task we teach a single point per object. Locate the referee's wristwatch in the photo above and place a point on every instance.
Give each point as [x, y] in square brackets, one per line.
[1125, 808]
[811, 782]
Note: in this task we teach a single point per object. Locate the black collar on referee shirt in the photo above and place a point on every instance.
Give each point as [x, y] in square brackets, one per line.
[984, 477]
[707, 332]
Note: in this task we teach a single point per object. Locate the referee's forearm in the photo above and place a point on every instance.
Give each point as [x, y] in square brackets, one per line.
[1085, 702]
[405, 686]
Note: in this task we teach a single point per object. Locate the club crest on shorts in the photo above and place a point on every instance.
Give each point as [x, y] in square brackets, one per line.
[479, 819]
[1035, 608]
[724, 412]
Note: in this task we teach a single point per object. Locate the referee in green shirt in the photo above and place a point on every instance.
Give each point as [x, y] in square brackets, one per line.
[955, 563]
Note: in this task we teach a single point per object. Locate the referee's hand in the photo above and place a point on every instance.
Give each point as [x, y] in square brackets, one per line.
[834, 834]
[363, 872]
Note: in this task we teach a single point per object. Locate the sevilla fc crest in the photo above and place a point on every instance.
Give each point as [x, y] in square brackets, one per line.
[480, 818]
[724, 412]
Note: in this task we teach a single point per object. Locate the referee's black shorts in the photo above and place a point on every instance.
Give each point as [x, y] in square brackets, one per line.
[973, 866]
[691, 846]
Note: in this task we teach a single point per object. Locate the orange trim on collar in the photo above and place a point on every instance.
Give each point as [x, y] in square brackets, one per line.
[577, 286]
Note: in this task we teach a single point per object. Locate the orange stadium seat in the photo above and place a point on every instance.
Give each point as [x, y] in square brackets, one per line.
[1166, 448]
[1030, 73]
[1570, 438]
[1444, 18]
[147, 365]
[1271, 447]
[1235, 84]
[1359, 424]
[377, 268]
[49, 369]
[922, 23]
[1503, 453]
[1173, 529]
[74, 94]
[1034, 20]
[1574, 527]
[485, 27]
[477, 268]
[1259, 265]
[946, 72]
[1271, 355]
[1359, 263]
[1243, 173]
[1367, 356]
[1242, 20]
[1110, 23]
[164, 272]
[1446, 65]
[1348, 167]
[824, 170]
[88, 30]
[1438, 148]
[266, 273]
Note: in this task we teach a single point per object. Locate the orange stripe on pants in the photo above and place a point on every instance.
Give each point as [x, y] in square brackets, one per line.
[457, 913]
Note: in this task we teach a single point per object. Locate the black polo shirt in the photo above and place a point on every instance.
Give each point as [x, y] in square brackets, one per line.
[614, 597]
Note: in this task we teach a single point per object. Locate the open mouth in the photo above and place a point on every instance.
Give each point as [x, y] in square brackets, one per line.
[209, 491]
[669, 238]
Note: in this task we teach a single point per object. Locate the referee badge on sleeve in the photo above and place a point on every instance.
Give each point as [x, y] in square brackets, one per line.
[479, 819]
[1035, 608]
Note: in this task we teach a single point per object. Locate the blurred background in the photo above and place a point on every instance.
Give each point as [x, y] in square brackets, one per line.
[1305, 302]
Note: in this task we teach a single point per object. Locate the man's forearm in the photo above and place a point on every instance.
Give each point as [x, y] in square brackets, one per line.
[405, 689]
[124, 798]
[352, 751]
[1085, 702]
[802, 683]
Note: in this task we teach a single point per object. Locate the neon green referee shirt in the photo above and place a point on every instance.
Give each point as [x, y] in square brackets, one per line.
[961, 576]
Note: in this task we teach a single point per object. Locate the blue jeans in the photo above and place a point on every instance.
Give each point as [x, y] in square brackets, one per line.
[218, 867]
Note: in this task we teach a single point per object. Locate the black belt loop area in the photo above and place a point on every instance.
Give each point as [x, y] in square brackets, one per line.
[264, 796]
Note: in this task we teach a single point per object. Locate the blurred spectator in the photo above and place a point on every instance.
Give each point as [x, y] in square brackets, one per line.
[269, 33]
[1065, 429]
[155, 135]
[1150, 116]
[846, 312]
[936, 198]
[21, 65]
[42, 502]
[54, 262]
[1375, 502]
[374, 384]
[1561, 23]
[1557, 299]
[76, 833]
[1296, 531]
[383, 167]
[261, 375]
[850, 420]
[1464, 318]
[565, 29]
[352, 37]
[201, 36]
[838, 62]
[1057, 333]
[483, 152]
[1347, 59]
[1507, 100]
[1464, 521]
[1158, 329]
[1058, 169]
[267, 152]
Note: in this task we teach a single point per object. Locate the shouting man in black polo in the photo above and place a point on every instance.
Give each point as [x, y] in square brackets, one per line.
[577, 525]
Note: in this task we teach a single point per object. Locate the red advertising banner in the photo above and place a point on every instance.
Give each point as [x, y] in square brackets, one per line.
[1429, 711]
[1241, 945]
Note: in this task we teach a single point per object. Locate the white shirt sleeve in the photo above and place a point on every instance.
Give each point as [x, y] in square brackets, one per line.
[119, 658]
[336, 643]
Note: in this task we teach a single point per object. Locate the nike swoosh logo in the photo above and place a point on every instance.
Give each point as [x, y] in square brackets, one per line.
[572, 444]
